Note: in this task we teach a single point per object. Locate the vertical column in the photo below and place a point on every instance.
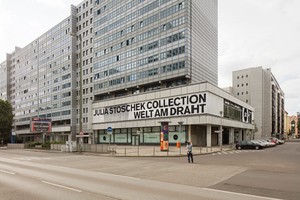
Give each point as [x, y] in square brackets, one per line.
[240, 134]
[231, 135]
[220, 136]
[90, 138]
[189, 133]
[208, 135]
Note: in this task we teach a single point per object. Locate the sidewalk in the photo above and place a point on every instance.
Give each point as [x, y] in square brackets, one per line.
[151, 151]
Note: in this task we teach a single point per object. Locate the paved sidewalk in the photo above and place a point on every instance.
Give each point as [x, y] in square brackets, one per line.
[155, 150]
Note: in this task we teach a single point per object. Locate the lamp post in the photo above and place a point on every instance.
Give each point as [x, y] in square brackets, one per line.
[180, 130]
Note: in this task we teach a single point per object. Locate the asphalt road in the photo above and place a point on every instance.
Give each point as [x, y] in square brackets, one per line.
[270, 173]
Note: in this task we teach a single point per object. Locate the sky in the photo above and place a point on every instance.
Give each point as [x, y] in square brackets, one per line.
[252, 33]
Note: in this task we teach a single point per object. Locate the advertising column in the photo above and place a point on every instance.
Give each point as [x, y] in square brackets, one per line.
[164, 136]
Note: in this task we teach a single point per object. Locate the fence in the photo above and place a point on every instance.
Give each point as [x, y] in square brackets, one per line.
[94, 148]
[155, 151]
[16, 146]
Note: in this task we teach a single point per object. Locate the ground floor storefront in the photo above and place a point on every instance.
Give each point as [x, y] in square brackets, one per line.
[200, 113]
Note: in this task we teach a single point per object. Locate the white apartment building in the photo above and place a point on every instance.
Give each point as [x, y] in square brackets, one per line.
[259, 88]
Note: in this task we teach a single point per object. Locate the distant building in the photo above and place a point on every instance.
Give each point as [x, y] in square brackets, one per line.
[292, 126]
[3, 81]
[287, 123]
[259, 88]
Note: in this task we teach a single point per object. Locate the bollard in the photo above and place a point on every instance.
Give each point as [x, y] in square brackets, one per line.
[138, 150]
[153, 151]
[206, 149]
[125, 151]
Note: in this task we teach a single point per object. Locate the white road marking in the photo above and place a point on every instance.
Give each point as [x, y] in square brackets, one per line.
[30, 158]
[7, 172]
[61, 186]
[241, 194]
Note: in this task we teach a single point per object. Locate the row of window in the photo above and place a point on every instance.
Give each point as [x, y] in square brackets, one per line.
[141, 75]
[238, 77]
[155, 31]
[117, 12]
[242, 85]
[125, 19]
[147, 60]
[140, 24]
[125, 55]
[147, 47]
[84, 5]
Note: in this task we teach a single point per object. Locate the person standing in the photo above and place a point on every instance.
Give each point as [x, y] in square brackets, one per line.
[189, 148]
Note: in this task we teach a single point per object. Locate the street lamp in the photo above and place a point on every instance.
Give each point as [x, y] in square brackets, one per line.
[180, 130]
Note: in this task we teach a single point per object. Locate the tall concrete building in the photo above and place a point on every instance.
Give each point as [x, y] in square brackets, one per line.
[141, 46]
[3, 81]
[98, 69]
[259, 88]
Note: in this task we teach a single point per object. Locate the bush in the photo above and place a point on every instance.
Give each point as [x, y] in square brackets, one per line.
[32, 144]
[46, 145]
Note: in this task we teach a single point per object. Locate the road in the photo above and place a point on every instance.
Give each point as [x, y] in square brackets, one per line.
[267, 174]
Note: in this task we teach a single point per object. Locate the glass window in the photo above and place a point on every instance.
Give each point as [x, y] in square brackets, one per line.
[152, 137]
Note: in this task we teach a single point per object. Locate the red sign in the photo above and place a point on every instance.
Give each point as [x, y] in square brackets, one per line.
[40, 125]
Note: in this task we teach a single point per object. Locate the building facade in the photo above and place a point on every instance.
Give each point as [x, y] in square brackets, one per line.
[208, 116]
[293, 126]
[111, 53]
[3, 81]
[259, 88]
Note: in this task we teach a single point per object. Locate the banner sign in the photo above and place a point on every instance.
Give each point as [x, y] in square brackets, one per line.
[246, 115]
[40, 125]
[164, 136]
[193, 104]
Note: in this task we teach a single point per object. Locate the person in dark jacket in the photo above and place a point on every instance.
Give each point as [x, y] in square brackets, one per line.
[189, 148]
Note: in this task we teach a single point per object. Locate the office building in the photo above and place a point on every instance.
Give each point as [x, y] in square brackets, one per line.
[125, 54]
[259, 88]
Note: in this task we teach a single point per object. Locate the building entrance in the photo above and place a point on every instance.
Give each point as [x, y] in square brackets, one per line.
[135, 140]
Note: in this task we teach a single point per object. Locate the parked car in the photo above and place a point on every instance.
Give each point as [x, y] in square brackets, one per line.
[268, 143]
[248, 145]
[262, 142]
[278, 141]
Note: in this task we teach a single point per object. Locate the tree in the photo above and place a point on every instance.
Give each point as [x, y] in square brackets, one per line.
[6, 120]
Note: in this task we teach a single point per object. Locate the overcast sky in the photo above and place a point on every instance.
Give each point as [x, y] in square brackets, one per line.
[252, 33]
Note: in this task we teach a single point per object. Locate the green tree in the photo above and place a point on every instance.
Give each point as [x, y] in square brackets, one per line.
[6, 120]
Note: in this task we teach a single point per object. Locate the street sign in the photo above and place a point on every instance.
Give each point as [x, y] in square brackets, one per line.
[109, 130]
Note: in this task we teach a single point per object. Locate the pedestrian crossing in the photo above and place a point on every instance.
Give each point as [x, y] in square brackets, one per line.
[235, 152]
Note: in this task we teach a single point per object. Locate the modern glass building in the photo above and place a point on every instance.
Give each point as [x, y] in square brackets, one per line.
[141, 46]
[112, 53]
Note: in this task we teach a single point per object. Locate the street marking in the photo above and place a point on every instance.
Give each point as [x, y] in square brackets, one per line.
[61, 186]
[30, 158]
[7, 172]
[236, 193]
